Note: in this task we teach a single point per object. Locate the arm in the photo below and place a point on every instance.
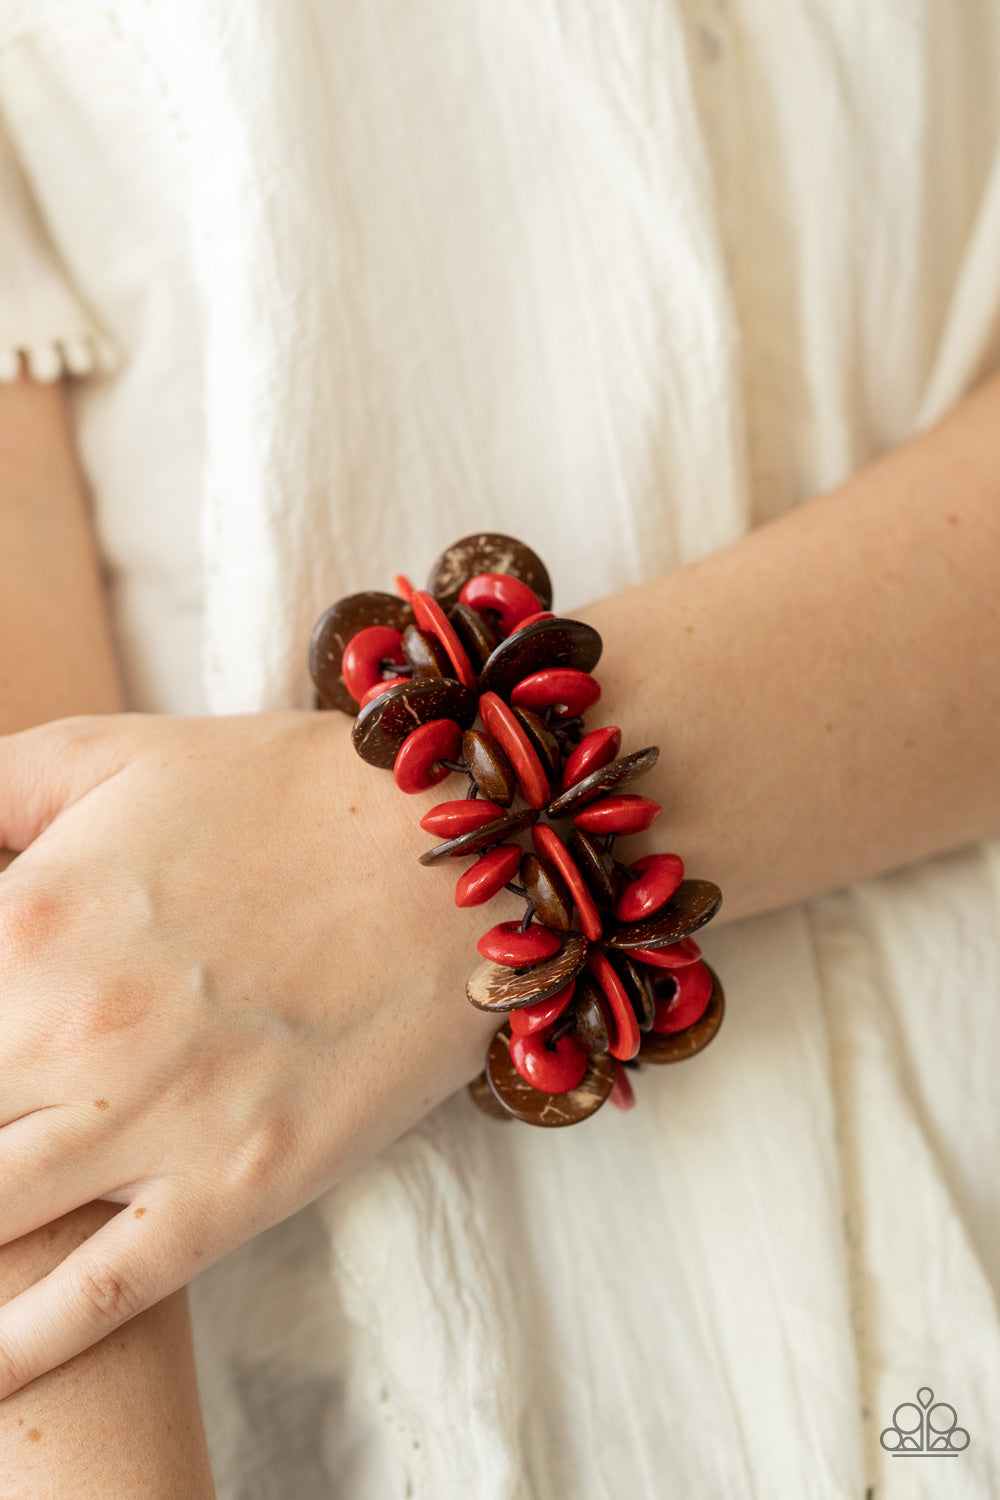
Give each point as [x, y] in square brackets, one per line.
[122, 1420]
[825, 693]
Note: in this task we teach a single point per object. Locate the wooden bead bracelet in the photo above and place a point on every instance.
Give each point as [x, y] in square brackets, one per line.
[602, 972]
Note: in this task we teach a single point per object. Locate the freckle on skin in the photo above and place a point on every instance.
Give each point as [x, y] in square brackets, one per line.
[100, 1104]
[352, 809]
[953, 520]
[139, 1212]
[34, 1435]
[828, 727]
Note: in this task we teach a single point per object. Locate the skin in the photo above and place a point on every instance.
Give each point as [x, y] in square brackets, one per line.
[267, 1010]
[121, 1419]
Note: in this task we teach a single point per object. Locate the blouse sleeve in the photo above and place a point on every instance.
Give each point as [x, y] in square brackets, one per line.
[43, 318]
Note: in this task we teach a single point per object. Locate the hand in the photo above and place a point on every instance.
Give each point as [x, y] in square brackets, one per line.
[225, 983]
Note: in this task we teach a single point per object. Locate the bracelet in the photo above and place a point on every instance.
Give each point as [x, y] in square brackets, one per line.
[585, 1001]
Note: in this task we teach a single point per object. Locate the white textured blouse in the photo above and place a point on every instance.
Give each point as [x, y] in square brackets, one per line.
[348, 280]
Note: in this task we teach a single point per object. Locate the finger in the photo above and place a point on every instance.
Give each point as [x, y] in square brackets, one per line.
[140, 1256]
[47, 769]
[51, 1161]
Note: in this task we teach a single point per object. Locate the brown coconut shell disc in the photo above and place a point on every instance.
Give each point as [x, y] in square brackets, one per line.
[383, 724]
[334, 629]
[495, 987]
[533, 1106]
[547, 643]
[694, 903]
[487, 552]
[677, 1046]
[481, 838]
[615, 774]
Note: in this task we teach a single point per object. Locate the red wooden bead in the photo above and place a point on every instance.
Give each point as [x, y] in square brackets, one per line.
[377, 688]
[550, 846]
[543, 614]
[430, 616]
[625, 1042]
[553, 1070]
[449, 820]
[501, 722]
[403, 586]
[622, 1095]
[542, 1013]
[417, 767]
[624, 814]
[507, 944]
[563, 688]
[659, 876]
[361, 666]
[512, 600]
[688, 1002]
[596, 749]
[673, 956]
[488, 875]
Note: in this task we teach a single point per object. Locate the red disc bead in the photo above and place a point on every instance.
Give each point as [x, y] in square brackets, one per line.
[403, 586]
[673, 956]
[500, 721]
[488, 875]
[511, 599]
[658, 876]
[361, 667]
[530, 1018]
[543, 614]
[624, 814]
[550, 846]
[622, 1095]
[378, 688]
[553, 1070]
[449, 820]
[565, 689]
[687, 1004]
[596, 749]
[625, 1042]
[430, 616]
[417, 765]
[506, 943]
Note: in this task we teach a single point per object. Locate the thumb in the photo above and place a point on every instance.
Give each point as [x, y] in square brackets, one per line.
[43, 771]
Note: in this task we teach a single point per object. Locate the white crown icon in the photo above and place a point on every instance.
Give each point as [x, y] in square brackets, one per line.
[928, 1429]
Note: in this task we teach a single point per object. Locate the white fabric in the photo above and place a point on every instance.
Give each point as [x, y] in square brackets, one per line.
[627, 279]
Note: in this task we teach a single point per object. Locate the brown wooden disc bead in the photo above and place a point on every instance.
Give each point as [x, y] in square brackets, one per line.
[596, 867]
[487, 552]
[543, 741]
[616, 774]
[484, 1098]
[589, 1010]
[694, 903]
[425, 654]
[547, 892]
[383, 724]
[547, 643]
[677, 1046]
[334, 629]
[490, 769]
[476, 636]
[533, 1106]
[494, 987]
[637, 983]
[482, 838]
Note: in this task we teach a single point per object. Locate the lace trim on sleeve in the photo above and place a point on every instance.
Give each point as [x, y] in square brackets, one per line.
[54, 358]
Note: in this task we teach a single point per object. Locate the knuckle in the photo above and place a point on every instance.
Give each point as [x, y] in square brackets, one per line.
[12, 1373]
[27, 925]
[108, 1296]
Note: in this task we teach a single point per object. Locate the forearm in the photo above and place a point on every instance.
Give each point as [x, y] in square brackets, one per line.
[826, 693]
[123, 1419]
